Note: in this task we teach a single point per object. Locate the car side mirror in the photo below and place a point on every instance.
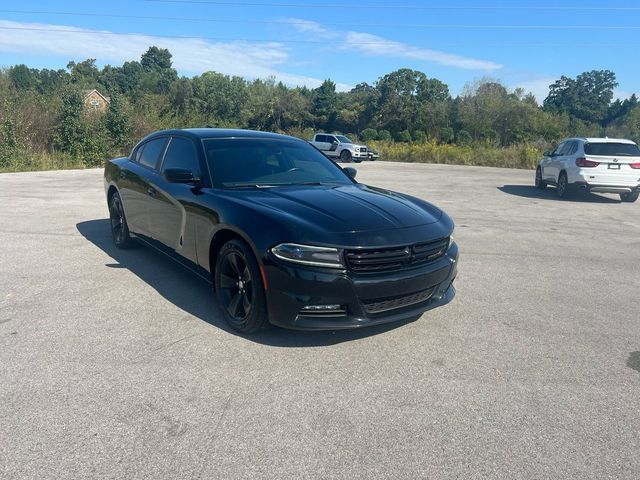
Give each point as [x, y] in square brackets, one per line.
[335, 142]
[352, 172]
[548, 154]
[180, 175]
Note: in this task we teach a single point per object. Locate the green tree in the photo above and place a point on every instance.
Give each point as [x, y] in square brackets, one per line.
[587, 97]
[325, 102]
[71, 132]
[85, 74]
[23, 77]
[410, 100]
[117, 124]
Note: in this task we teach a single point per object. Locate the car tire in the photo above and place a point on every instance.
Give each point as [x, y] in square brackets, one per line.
[345, 155]
[118, 222]
[564, 189]
[239, 288]
[540, 184]
[629, 197]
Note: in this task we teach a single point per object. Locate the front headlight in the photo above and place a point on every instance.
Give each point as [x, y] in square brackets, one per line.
[309, 255]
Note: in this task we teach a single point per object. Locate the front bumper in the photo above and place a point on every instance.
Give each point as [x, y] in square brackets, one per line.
[365, 299]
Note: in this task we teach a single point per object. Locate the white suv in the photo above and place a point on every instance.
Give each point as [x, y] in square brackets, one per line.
[605, 165]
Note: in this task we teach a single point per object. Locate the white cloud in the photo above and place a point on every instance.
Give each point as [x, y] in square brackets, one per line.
[619, 94]
[538, 86]
[377, 46]
[190, 55]
[309, 26]
[374, 45]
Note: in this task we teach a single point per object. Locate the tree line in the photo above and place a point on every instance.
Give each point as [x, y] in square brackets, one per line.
[42, 111]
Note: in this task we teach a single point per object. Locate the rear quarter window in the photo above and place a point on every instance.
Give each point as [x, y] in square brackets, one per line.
[151, 151]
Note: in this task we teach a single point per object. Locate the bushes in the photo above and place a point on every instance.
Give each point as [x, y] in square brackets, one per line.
[404, 136]
[518, 156]
[384, 135]
[369, 134]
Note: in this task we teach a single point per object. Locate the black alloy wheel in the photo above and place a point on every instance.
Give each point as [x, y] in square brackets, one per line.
[118, 222]
[540, 184]
[239, 288]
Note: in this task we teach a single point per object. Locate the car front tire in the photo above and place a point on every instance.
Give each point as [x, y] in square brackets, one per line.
[239, 288]
[629, 197]
[345, 156]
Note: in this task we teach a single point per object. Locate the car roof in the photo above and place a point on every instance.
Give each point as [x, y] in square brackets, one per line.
[601, 140]
[205, 133]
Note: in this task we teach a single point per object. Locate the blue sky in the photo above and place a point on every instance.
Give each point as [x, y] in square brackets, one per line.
[522, 44]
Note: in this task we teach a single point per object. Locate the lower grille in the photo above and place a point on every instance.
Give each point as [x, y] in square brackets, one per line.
[396, 258]
[383, 305]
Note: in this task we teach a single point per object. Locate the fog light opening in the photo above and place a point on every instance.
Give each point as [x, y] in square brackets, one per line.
[321, 308]
[324, 310]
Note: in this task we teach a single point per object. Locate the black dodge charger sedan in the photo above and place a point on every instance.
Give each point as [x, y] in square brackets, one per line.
[286, 236]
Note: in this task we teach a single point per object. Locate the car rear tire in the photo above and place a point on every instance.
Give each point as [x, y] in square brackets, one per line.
[118, 221]
[629, 197]
[239, 288]
[540, 184]
[345, 156]
[563, 189]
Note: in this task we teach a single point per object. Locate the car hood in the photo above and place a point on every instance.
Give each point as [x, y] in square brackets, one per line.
[348, 208]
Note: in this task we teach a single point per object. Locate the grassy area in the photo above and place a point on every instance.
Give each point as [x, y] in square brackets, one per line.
[519, 156]
[42, 161]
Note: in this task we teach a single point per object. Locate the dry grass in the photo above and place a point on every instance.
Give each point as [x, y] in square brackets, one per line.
[519, 156]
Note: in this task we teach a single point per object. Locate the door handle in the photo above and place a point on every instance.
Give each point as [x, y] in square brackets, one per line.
[152, 192]
[122, 175]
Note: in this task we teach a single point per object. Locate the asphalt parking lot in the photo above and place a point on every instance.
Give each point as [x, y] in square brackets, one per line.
[116, 364]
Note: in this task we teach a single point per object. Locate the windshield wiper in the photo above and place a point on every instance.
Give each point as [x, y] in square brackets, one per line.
[252, 185]
[314, 183]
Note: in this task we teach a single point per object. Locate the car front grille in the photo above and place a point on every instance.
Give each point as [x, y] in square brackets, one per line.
[363, 149]
[385, 304]
[396, 258]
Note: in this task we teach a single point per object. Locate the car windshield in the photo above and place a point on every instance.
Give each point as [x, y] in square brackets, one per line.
[260, 162]
[612, 149]
[343, 139]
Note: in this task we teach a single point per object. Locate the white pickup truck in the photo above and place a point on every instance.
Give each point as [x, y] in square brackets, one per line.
[340, 147]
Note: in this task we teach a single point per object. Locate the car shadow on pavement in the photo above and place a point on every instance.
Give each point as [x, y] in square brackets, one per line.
[634, 361]
[194, 295]
[530, 191]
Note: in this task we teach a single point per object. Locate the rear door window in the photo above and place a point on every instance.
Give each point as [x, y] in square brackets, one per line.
[151, 151]
[570, 148]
